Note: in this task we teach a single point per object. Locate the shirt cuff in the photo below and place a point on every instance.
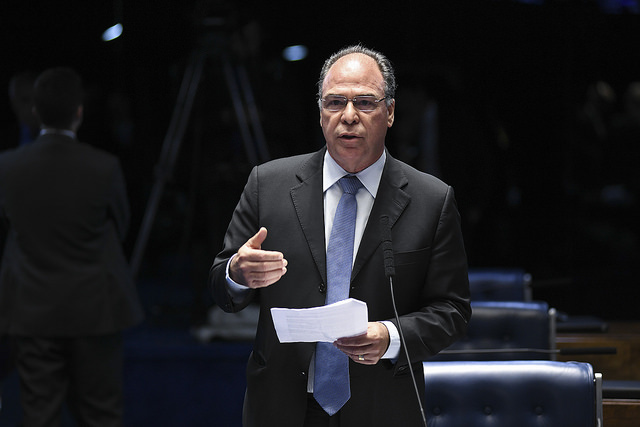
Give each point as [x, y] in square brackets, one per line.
[236, 290]
[394, 341]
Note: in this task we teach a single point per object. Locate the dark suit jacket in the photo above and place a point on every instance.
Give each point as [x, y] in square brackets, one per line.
[431, 286]
[63, 271]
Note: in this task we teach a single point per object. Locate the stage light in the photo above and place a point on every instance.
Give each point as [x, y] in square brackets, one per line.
[295, 53]
[112, 32]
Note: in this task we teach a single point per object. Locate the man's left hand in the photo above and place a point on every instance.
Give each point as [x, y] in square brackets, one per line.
[367, 348]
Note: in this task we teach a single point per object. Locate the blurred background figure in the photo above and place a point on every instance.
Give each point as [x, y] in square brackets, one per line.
[66, 292]
[591, 141]
[21, 98]
[623, 162]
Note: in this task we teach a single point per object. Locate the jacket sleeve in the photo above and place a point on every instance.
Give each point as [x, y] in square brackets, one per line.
[244, 224]
[445, 294]
[119, 210]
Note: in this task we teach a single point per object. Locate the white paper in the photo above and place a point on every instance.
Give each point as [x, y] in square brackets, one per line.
[327, 323]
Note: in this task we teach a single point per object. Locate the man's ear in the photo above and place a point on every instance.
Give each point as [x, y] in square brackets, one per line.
[35, 113]
[77, 119]
[391, 113]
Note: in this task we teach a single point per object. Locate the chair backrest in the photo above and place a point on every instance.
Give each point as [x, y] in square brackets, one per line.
[506, 330]
[499, 284]
[512, 393]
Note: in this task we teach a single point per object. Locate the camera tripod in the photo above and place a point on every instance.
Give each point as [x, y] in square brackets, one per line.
[211, 46]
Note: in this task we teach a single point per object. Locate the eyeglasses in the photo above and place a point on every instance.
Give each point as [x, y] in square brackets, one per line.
[335, 103]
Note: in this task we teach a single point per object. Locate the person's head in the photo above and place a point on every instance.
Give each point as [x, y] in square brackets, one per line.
[58, 98]
[355, 134]
[21, 97]
[632, 100]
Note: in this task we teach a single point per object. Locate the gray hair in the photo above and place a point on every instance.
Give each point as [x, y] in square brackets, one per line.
[383, 62]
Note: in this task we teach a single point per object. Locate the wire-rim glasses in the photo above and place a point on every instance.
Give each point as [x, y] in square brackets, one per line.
[335, 103]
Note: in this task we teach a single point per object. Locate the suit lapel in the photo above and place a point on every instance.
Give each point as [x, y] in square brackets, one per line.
[308, 203]
[391, 201]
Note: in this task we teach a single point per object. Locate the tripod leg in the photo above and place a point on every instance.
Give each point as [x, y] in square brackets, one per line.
[260, 140]
[232, 85]
[170, 149]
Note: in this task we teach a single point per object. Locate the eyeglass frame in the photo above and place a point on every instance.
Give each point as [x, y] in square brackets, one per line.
[352, 100]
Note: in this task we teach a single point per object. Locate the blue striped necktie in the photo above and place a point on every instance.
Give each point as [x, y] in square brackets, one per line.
[331, 384]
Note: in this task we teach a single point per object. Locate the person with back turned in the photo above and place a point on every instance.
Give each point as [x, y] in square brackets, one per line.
[307, 232]
[21, 98]
[66, 292]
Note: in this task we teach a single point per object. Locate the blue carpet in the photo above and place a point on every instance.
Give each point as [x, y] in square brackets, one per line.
[170, 380]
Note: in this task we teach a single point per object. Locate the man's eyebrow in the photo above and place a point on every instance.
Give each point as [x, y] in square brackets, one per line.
[361, 94]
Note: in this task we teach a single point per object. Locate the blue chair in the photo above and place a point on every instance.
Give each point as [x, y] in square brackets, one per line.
[499, 284]
[506, 330]
[512, 393]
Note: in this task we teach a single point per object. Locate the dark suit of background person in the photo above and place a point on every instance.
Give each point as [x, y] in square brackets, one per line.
[26, 130]
[285, 196]
[21, 98]
[65, 288]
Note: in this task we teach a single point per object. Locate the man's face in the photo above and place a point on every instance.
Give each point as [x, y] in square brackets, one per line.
[355, 139]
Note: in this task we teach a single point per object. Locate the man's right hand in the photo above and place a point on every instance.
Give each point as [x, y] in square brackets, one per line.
[254, 267]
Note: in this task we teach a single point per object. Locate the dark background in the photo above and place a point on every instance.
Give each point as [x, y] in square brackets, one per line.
[534, 189]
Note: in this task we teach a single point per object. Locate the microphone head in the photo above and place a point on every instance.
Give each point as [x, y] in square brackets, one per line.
[387, 247]
[386, 228]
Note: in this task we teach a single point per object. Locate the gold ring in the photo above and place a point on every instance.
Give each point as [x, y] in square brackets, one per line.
[361, 357]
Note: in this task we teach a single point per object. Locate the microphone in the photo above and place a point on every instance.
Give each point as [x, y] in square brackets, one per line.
[387, 247]
[390, 272]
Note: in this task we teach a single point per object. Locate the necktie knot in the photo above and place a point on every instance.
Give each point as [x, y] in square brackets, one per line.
[350, 184]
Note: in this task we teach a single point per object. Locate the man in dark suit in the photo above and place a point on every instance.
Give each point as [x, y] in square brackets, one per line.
[295, 199]
[21, 98]
[65, 288]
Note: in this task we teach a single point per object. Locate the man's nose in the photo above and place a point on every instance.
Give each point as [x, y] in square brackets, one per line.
[350, 113]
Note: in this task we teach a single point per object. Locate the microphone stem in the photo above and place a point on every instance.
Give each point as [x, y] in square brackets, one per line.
[406, 351]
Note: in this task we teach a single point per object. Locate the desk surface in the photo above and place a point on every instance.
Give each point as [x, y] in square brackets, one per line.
[621, 412]
[624, 336]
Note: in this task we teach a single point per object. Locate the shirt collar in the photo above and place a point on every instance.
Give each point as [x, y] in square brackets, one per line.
[66, 132]
[370, 177]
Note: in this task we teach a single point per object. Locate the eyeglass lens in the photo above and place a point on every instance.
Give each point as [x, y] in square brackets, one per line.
[362, 103]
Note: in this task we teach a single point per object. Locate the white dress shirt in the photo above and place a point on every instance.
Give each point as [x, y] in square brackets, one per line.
[370, 179]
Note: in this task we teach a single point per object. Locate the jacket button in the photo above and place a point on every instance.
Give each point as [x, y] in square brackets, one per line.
[322, 288]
